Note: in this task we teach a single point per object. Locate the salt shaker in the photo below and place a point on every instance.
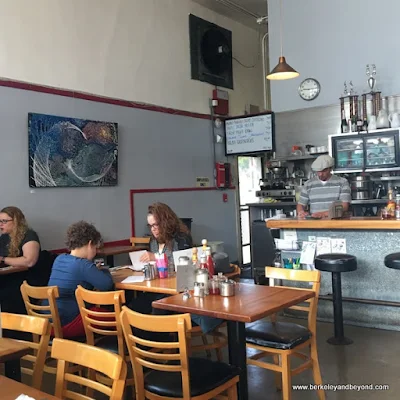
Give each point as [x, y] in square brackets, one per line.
[196, 290]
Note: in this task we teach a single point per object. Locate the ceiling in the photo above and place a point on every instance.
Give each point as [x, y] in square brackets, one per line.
[244, 11]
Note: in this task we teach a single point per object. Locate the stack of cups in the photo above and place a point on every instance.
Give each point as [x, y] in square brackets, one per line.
[162, 265]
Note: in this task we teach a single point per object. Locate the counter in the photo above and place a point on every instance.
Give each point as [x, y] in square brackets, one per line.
[371, 295]
[353, 223]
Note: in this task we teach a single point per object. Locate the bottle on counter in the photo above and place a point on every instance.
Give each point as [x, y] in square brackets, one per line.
[359, 124]
[354, 123]
[398, 206]
[344, 125]
[365, 125]
[391, 204]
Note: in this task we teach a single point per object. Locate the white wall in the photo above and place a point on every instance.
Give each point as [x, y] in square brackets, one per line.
[333, 41]
[131, 49]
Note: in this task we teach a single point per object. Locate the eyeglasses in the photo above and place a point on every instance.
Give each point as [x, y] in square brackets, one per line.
[153, 226]
[4, 221]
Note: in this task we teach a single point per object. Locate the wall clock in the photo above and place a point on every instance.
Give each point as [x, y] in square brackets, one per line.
[309, 89]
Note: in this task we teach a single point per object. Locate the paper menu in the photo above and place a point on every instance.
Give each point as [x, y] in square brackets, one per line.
[338, 246]
[135, 257]
[134, 279]
[323, 245]
[308, 253]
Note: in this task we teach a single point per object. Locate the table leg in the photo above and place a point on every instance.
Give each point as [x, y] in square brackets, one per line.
[237, 354]
[110, 261]
[12, 370]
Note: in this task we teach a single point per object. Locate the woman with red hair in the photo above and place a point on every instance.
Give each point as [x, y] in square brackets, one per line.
[168, 232]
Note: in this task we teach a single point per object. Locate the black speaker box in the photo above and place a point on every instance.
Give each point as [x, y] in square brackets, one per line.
[210, 52]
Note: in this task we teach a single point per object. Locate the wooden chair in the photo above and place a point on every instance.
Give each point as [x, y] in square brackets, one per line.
[173, 375]
[140, 241]
[111, 365]
[219, 341]
[281, 340]
[33, 298]
[39, 328]
[103, 328]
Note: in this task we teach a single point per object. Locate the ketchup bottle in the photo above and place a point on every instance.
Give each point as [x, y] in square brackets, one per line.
[210, 263]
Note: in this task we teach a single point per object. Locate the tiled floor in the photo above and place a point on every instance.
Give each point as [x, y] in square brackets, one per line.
[373, 358]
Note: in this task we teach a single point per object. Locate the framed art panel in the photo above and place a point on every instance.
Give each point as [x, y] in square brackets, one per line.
[72, 152]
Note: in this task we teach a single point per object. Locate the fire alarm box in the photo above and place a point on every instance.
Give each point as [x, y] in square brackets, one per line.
[221, 97]
[223, 177]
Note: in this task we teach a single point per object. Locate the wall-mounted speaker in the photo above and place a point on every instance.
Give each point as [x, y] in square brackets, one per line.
[210, 52]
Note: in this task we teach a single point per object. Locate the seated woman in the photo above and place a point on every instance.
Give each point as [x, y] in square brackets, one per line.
[169, 234]
[77, 268]
[19, 247]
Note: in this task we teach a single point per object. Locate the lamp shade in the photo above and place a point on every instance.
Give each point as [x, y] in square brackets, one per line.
[282, 71]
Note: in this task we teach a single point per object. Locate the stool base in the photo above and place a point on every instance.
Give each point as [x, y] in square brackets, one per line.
[337, 341]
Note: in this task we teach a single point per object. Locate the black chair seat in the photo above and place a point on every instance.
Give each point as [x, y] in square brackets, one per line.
[204, 375]
[393, 260]
[108, 343]
[336, 262]
[277, 335]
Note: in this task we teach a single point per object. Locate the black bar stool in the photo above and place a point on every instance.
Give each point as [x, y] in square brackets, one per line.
[337, 263]
[393, 260]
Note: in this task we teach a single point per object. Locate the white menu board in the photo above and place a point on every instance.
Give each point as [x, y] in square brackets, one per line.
[250, 134]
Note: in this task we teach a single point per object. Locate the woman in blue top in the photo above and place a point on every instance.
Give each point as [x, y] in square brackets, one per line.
[77, 268]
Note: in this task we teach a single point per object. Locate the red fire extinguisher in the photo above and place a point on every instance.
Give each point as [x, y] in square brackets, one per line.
[223, 175]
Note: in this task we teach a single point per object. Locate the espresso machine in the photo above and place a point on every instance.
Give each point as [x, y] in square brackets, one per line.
[276, 184]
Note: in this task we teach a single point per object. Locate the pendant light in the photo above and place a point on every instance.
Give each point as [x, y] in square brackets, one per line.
[283, 70]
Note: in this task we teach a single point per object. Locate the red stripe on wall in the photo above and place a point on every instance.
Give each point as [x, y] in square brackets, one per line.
[132, 192]
[98, 99]
[123, 242]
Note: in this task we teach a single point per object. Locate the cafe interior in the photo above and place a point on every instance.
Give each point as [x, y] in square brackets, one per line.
[154, 157]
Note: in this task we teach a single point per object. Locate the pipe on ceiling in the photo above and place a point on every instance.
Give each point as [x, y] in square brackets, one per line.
[233, 6]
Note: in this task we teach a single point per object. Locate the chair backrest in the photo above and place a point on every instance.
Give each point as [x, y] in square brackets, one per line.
[141, 241]
[151, 354]
[33, 298]
[37, 326]
[313, 277]
[110, 364]
[105, 323]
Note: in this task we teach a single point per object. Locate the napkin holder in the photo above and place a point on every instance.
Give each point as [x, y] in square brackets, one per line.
[184, 277]
[336, 210]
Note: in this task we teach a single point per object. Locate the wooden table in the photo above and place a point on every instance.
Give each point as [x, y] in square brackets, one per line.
[12, 270]
[11, 389]
[110, 251]
[251, 303]
[165, 286]
[11, 351]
